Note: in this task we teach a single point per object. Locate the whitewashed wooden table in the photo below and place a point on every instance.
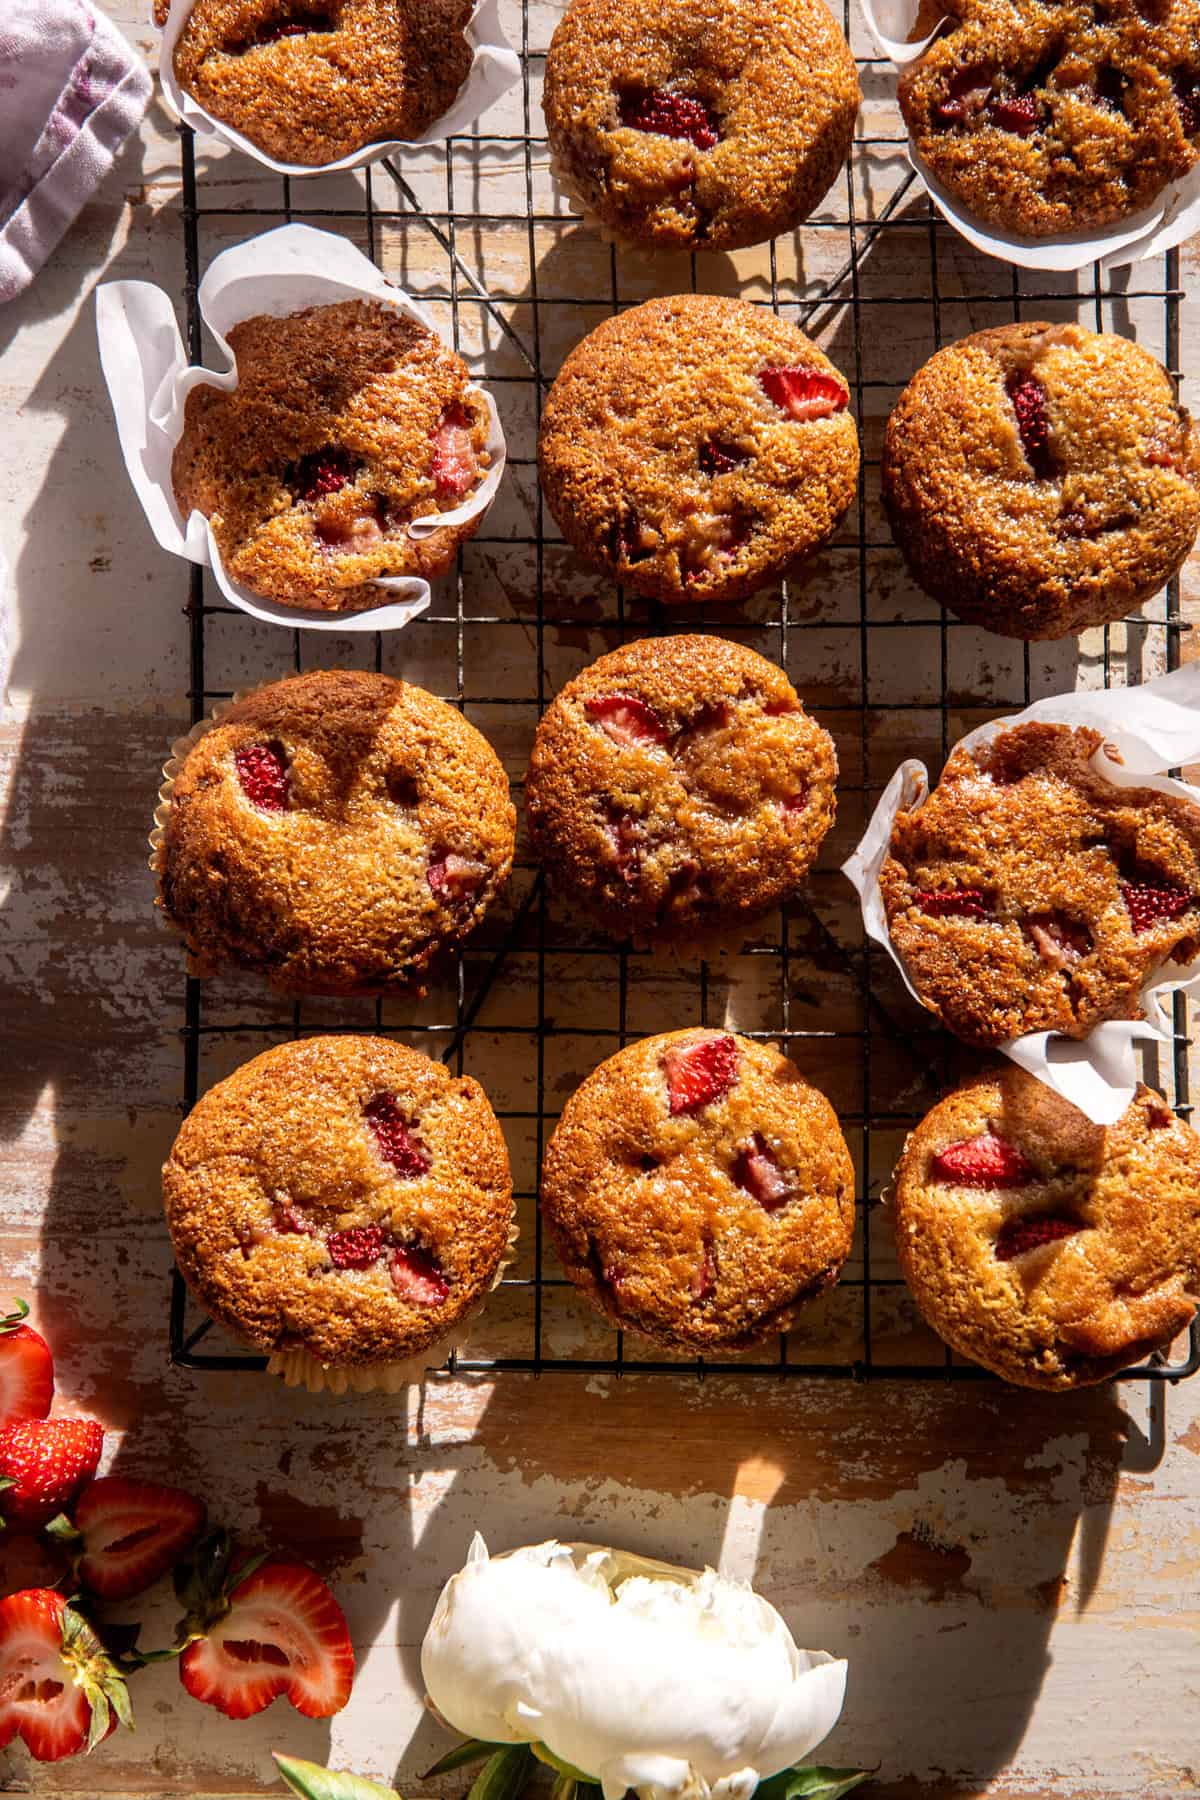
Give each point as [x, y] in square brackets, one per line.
[1013, 1578]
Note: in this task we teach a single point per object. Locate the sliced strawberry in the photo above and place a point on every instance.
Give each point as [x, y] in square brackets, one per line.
[757, 1170]
[1018, 1236]
[700, 1072]
[281, 1632]
[1060, 942]
[455, 468]
[321, 472]
[44, 1462]
[986, 1161]
[1028, 398]
[804, 393]
[133, 1532]
[417, 1276]
[263, 772]
[394, 1136]
[1150, 902]
[453, 877]
[666, 113]
[356, 1248]
[954, 903]
[717, 458]
[58, 1690]
[26, 1369]
[1019, 113]
[626, 719]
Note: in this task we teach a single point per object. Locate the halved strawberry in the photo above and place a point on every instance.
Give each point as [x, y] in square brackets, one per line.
[276, 1631]
[804, 393]
[626, 719]
[1148, 902]
[394, 1136]
[1018, 1236]
[58, 1689]
[757, 1170]
[455, 468]
[986, 1161]
[417, 1277]
[356, 1248]
[43, 1463]
[132, 1532]
[700, 1072]
[26, 1368]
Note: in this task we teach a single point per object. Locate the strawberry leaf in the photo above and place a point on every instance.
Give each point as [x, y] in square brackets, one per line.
[312, 1782]
[61, 1529]
[811, 1783]
[471, 1750]
[504, 1775]
[98, 1724]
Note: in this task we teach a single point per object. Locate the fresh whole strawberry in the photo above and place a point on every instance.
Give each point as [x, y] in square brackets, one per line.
[1149, 903]
[130, 1533]
[58, 1689]
[394, 1136]
[262, 771]
[626, 719]
[804, 394]
[699, 1073]
[26, 1369]
[43, 1463]
[455, 469]
[665, 113]
[986, 1161]
[252, 1633]
[1018, 1236]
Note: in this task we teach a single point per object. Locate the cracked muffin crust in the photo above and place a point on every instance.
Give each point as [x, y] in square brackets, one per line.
[1030, 894]
[683, 124]
[342, 1196]
[1051, 1250]
[334, 832]
[312, 81]
[1041, 478]
[677, 788]
[699, 1190]
[694, 447]
[1048, 116]
[347, 422]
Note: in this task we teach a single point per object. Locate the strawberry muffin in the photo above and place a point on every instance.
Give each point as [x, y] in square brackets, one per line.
[1051, 1250]
[333, 833]
[348, 422]
[312, 81]
[678, 788]
[699, 1191]
[1042, 118]
[1030, 894]
[1041, 478]
[341, 1199]
[683, 124]
[695, 447]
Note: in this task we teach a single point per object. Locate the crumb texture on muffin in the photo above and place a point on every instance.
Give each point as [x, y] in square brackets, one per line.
[694, 447]
[344, 1196]
[1051, 1250]
[1030, 894]
[312, 81]
[1049, 116]
[347, 423]
[334, 832]
[677, 787]
[683, 124]
[1041, 478]
[699, 1190]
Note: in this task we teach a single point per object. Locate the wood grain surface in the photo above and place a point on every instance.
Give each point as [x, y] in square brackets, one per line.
[1013, 1578]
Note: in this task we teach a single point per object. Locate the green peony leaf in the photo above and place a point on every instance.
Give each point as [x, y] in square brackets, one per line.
[469, 1751]
[312, 1782]
[811, 1784]
[546, 1755]
[503, 1776]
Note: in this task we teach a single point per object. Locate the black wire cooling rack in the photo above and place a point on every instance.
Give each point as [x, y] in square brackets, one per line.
[881, 283]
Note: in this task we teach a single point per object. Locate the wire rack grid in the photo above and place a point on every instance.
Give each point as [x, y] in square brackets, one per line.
[539, 999]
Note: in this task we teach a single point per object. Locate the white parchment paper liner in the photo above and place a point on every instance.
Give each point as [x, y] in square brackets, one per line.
[1172, 217]
[1152, 727]
[495, 67]
[149, 379]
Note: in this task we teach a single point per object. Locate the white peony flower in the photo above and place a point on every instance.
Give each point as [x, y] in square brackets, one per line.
[673, 1682]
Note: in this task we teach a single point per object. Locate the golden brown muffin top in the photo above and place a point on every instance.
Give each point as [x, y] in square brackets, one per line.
[695, 446]
[1030, 894]
[677, 786]
[1042, 478]
[340, 1195]
[347, 422]
[699, 1190]
[1047, 116]
[1051, 1250]
[312, 81]
[333, 832]
[683, 124]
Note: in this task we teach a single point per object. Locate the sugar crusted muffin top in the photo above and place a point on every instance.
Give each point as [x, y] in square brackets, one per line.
[312, 81]
[347, 422]
[1030, 894]
[699, 1190]
[695, 446]
[1042, 478]
[344, 1196]
[1051, 1250]
[334, 832]
[1048, 116]
[677, 786]
[684, 125]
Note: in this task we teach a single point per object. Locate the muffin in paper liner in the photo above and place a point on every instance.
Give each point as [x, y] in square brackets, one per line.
[179, 752]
